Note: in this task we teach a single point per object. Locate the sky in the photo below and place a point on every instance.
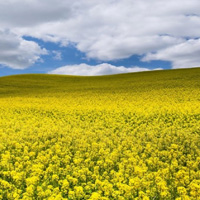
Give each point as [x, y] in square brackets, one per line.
[98, 37]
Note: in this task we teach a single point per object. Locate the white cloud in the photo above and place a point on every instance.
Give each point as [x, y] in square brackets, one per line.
[106, 29]
[18, 53]
[183, 55]
[101, 69]
[57, 55]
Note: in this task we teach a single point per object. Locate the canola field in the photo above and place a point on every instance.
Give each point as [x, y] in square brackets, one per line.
[129, 136]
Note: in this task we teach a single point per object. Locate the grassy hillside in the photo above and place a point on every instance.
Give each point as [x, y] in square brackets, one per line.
[128, 136]
[35, 84]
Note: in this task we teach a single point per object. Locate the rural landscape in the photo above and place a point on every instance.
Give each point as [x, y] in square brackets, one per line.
[99, 100]
[126, 136]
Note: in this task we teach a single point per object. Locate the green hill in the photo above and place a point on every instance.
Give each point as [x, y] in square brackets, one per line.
[32, 84]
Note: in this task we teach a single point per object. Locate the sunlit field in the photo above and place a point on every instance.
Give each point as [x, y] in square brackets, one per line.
[128, 136]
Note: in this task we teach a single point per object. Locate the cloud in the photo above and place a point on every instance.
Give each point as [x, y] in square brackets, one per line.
[183, 55]
[28, 13]
[101, 69]
[107, 29]
[17, 53]
[57, 55]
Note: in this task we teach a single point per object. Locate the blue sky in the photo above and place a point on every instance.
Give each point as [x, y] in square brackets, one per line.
[98, 37]
[71, 56]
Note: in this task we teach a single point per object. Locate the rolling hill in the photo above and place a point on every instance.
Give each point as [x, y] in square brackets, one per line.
[126, 136]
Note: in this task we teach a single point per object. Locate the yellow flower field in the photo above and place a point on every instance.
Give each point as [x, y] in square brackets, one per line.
[129, 136]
